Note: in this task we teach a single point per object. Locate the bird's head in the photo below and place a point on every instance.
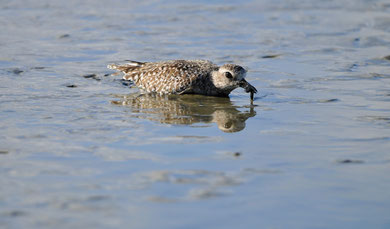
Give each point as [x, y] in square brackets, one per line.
[229, 77]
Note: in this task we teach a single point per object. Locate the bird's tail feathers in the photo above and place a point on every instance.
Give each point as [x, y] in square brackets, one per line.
[126, 67]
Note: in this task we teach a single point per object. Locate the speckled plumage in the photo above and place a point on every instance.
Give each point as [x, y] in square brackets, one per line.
[185, 77]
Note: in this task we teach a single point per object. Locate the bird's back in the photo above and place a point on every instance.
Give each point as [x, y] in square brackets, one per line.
[167, 77]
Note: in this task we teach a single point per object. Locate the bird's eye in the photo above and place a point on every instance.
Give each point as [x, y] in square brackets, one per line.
[228, 125]
[228, 75]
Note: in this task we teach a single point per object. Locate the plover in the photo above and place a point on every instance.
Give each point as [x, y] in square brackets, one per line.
[186, 77]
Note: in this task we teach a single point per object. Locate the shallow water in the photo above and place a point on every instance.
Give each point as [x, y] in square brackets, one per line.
[79, 148]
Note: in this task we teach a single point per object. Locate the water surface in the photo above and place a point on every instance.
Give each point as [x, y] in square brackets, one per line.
[80, 148]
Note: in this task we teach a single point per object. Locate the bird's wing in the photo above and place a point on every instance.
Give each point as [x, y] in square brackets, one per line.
[167, 77]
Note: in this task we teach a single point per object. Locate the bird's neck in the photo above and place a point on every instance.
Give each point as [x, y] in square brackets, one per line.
[219, 85]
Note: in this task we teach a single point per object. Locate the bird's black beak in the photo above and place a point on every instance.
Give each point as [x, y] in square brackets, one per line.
[247, 86]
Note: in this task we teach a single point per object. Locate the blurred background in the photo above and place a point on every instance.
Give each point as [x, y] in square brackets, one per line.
[81, 148]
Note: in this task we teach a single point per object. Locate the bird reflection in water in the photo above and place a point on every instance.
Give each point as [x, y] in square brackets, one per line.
[188, 110]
